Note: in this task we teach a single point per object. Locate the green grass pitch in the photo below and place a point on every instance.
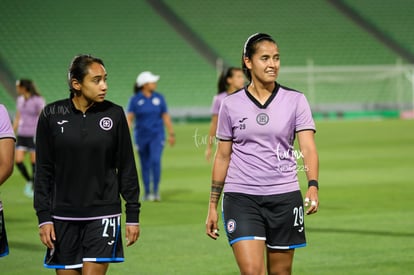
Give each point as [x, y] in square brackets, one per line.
[365, 224]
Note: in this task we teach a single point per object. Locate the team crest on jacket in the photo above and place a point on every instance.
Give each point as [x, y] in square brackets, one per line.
[106, 123]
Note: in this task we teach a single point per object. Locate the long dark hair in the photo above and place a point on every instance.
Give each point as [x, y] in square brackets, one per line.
[250, 48]
[78, 68]
[222, 84]
[29, 86]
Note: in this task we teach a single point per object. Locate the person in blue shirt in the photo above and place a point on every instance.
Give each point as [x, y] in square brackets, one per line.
[149, 111]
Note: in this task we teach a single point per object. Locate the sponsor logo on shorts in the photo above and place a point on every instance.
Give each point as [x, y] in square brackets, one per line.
[231, 226]
[111, 242]
[106, 123]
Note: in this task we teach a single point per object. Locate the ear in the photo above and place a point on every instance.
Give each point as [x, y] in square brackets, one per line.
[247, 62]
[75, 84]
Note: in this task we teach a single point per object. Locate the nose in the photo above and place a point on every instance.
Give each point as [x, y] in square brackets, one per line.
[104, 86]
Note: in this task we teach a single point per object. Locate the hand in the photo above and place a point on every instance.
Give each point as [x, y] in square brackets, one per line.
[171, 140]
[208, 154]
[132, 234]
[211, 224]
[311, 200]
[47, 235]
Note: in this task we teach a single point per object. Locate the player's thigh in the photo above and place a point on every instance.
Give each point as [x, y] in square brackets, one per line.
[285, 221]
[102, 241]
[242, 218]
[91, 268]
[249, 256]
[69, 271]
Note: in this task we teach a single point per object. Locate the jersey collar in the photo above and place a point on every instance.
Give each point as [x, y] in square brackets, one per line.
[268, 101]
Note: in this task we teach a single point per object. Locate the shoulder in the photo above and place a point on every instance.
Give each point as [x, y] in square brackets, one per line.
[158, 94]
[60, 102]
[38, 98]
[20, 99]
[289, 91]
[110, 106]
[234, 97]
[3, 110]
[59, 107]
[136, 96]
[219, 97]
[4, 115]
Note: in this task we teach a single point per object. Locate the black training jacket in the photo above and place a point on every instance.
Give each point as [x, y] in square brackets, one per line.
[84, 162]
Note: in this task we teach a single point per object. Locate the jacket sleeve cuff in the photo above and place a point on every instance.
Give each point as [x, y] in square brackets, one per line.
[44, 217]
[132, 216]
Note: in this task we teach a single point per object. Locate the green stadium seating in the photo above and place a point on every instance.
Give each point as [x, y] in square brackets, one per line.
[38, 40]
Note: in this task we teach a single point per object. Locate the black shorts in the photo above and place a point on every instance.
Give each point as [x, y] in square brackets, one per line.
[25, 143]
[276, 219]
[85, 241]
[4, 247]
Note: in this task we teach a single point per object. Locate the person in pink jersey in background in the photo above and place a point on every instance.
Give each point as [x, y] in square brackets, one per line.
[229, 81]
[256, 165]
[7, 140]
[28, 107]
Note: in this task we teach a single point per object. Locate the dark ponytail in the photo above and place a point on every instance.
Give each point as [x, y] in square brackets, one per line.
[28, 85]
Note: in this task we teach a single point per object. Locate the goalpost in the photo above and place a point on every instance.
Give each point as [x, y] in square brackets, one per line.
[353, 88]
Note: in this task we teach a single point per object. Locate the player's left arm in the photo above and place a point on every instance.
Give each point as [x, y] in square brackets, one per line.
[307, 145]
[128, 180]
[170, 129]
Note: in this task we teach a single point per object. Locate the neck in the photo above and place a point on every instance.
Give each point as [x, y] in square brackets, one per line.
[231, 90]
[81, 103]
[26, 95]
[261, 92]
[146, 93]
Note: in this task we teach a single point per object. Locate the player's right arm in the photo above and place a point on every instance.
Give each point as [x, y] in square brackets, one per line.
[6, 158]
[211, 136]
[47, 234]
[43, 180]
[16, 121]
[220, 166]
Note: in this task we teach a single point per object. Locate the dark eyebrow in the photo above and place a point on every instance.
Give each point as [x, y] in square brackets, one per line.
[99, 76]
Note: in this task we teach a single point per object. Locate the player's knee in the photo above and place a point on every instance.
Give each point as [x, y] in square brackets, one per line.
[252, 268]
[280, 269]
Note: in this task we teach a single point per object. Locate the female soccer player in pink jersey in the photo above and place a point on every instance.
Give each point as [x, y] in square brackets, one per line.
[256, 165]
[229, 81]
[28, 107]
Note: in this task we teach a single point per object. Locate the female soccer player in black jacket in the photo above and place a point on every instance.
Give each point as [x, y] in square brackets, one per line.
[85, 162]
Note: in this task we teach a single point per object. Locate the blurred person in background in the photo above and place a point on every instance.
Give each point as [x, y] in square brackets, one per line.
[85, 163]
[230, 80]
[256, 167]
[148, 109]
[7, 140]
[29, 105]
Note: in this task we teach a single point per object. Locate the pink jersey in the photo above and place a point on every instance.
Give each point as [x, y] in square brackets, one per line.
[29, 110]
[6, 130]
[217, 99]
[263, 160]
